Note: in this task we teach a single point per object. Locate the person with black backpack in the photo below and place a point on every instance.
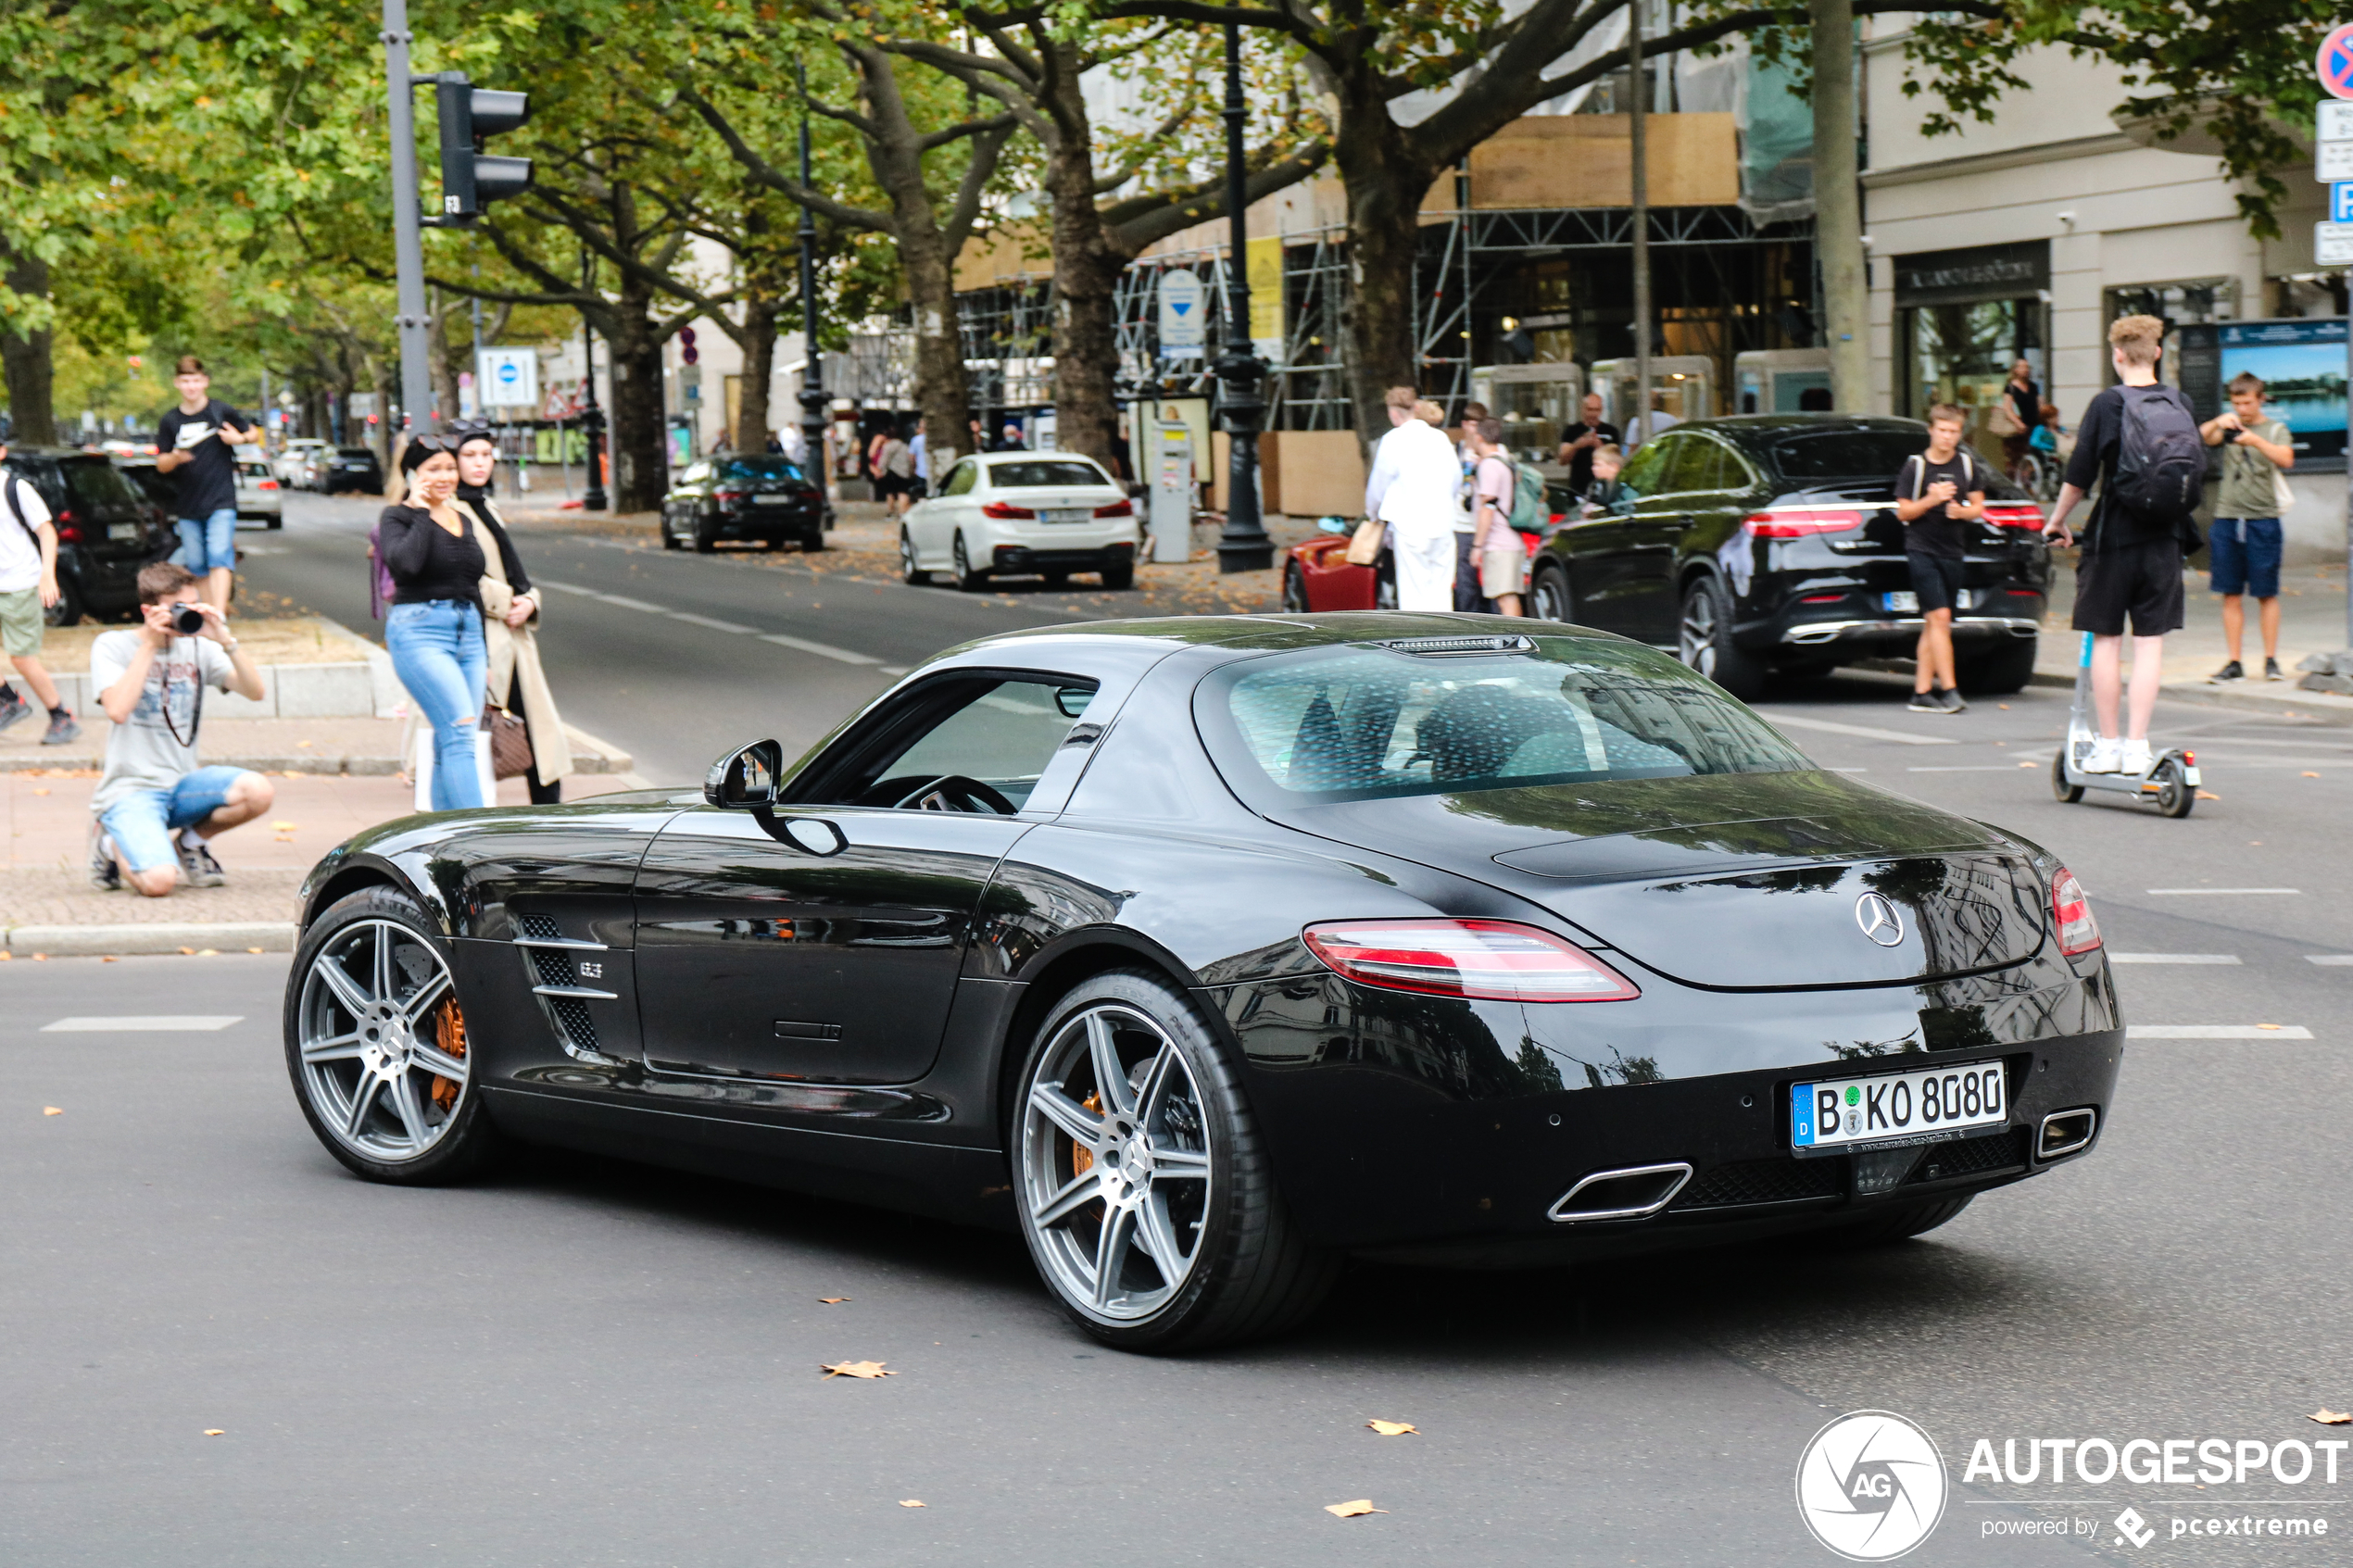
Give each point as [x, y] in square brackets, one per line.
[2140, 443]
[28, 587]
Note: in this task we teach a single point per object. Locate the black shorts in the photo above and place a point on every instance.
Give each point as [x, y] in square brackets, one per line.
[1937, 581]
[2143, 579]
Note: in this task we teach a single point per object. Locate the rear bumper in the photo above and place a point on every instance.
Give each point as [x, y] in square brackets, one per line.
[767, 522]
[1904, 629]
[1027, 558]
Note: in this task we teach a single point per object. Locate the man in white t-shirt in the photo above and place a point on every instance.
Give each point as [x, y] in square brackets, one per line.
[155, 804]
[28, 586]
[1413, 488]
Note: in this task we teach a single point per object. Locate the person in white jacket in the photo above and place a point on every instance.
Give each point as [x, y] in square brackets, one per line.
[1412, 488]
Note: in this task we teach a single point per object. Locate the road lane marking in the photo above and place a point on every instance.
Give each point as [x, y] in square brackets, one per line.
[565, 588]
[2173, 957]
[162, 1023]
[2193, 892]
[892, 668]
[707, 621]
[2332, 959]
[2217, 1032]
[1972, 768]
[824, 650]
[633, 604]
[1899, 736]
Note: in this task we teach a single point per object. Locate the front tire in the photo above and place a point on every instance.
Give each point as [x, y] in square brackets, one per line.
[1145, 1187]
[1704, 641]
[1548, 594]
[909, 572]
[2065, 793]
[1294, 589]
[377, 1049]
[669, 540]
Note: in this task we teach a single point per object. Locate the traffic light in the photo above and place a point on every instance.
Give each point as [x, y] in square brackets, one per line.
[472, 179]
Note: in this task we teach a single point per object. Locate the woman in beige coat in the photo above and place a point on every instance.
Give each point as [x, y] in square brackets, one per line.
[510, 622]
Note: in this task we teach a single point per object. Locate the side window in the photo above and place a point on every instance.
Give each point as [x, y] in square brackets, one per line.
[1645, 471]
[695, 473]
[967, 474]
[1739, 472]
[1694, 465]
[996, 732]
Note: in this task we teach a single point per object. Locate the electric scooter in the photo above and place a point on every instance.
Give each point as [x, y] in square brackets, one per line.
[2171, 783]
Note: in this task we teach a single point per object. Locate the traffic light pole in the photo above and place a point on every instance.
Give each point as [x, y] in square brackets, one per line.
[408, 233]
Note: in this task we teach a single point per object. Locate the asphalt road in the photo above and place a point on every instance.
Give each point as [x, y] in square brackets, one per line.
[586, 1362]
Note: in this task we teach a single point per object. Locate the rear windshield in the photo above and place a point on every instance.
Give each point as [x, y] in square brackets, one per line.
[1041, 473]
[755, 468]
[1866, 454]
[1364, 722]
[98, 484]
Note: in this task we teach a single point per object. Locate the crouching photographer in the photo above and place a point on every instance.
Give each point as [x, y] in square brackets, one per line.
[155, 804]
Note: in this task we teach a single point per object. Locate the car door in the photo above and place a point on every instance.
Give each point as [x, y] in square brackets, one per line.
[1601, 552]
[934, 533]
[1701, 473]
[759, 957]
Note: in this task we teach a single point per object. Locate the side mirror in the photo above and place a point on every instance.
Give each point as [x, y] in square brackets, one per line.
[746, 779]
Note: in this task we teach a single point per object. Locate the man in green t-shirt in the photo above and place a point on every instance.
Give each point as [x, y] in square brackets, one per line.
[2247, 540]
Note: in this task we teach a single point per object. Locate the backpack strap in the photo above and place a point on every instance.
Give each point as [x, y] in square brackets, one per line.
[1915, 464]
[9, 488]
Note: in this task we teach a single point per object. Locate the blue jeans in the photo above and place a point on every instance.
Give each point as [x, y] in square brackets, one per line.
[141, 824]
[209, 544]
[439, 655]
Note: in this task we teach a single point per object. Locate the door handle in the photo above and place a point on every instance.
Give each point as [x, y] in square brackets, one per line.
[812, 835]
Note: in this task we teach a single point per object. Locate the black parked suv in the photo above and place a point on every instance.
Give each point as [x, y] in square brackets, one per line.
[107, 531]
[353, 468]
[744, 496]
[1769, 543]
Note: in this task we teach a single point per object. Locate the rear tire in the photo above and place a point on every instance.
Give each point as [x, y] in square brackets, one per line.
[1900, 1222]
[2065, 793]
[2175, 796]
[706, 538]
[68, 607]
[1118, 579]
[967, 580]
[813, 541]
[1548, 593]
[1704, 641]
[278, 519]
[1162, 1146]
[1998, 673]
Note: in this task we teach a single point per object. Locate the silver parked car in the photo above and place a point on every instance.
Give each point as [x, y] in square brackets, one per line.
[258, 493]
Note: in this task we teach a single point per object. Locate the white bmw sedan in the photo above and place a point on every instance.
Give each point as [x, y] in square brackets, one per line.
[1014, 514]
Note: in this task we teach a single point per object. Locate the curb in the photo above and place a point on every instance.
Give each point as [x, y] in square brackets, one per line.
[589, 756]
[113, 941]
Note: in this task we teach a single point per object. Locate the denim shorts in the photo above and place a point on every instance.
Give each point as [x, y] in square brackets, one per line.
[2244, 556]
[209, 544]
[141, 824]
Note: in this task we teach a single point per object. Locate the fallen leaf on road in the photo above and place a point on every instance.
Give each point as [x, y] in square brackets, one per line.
[282, 827]
[1350, 1510]
[2026, 764]
[913, 1502]
[1394, 1428]
[302, 743]
[52, 1111]
[855, 1369]
[2311, 774]
[2208, 794]
[189, 950]
[2328, 1417]
[41, 792]
[207, 952]
[111, 958]
[6, 957]
[214, 1431]
[40, 958]
[2267, 1026]
[831, 1300]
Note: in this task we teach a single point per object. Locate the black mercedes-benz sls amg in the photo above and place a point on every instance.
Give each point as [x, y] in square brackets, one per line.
[1206, 953]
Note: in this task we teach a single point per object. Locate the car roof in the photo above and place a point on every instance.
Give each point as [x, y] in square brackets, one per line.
[992, 458]
[1247, 635]
[1757, 429]
[52, 453]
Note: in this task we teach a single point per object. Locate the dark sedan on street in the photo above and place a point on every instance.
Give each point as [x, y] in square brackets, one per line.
[107, 531]
[1769, 543]
[352, 468]
[1204, 952]
[766, 500]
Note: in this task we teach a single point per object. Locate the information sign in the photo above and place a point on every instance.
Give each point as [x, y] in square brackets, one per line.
[1183, 324]
[2331, 244]
[507, 378]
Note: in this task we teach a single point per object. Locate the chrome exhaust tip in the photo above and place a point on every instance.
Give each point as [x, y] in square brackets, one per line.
[1634, 1192]
[2065, 1132]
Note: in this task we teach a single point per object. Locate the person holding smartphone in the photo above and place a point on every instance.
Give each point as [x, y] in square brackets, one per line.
[157, 804]
[198, 441]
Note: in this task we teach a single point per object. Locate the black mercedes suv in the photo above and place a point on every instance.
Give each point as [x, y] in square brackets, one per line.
[743, 497]
[1769, 543]
[105, 531]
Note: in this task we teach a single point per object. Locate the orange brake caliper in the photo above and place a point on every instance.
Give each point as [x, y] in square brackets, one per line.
[450, 1034]
[1082, 1158]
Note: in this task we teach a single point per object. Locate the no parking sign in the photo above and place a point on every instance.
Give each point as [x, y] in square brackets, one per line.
[2333, 65]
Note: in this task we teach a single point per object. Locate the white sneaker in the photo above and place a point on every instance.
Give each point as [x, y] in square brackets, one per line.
[2102, 758]
[2133, 758]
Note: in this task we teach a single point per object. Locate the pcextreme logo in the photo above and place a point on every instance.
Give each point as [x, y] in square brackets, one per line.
[1871, 1486]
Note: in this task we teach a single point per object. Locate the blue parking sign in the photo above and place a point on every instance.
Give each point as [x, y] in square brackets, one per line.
[2341, 201]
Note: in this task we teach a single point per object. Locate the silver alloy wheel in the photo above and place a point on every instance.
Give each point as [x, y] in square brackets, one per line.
[375, 1019]
[1696, 635]
[1116, 1164]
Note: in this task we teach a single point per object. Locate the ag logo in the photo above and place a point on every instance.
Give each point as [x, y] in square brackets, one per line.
[1871, 1486]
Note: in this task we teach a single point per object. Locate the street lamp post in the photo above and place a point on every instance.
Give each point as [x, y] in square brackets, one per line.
[813, 369]
[1244, 545]
[592, 417]
[408, 233]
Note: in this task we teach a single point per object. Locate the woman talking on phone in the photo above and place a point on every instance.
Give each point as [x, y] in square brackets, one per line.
[511, 618]
[432, 550]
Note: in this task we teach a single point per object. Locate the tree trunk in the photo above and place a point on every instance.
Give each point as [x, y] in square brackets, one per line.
[750, 434]
[1838, 207]
[632, 342]
[29, 371]
[1385, 188]
[1087, 272]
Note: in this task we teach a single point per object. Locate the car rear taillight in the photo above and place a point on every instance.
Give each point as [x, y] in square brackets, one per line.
[1483, 959]
[1822, 599]
[69, 526]
[267, 484]
[1005, 510]
[1799, 522]
[2071, 912]
[2014, 514]
[1117, 508]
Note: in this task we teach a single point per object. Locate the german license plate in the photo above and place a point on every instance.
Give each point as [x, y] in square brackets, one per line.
[122, 531]
[1904, 603]
[772, 500]
[1066, 514]
[1895, 1108]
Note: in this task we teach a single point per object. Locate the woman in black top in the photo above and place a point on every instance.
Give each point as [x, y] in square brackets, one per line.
[511, 621]
[433, 629]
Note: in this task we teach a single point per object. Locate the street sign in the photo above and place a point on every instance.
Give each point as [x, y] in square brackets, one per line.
[2341, 201]
[1184, 329]
[2331, 244]
[2333, 161]
[2333, 65]
[507, 378]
